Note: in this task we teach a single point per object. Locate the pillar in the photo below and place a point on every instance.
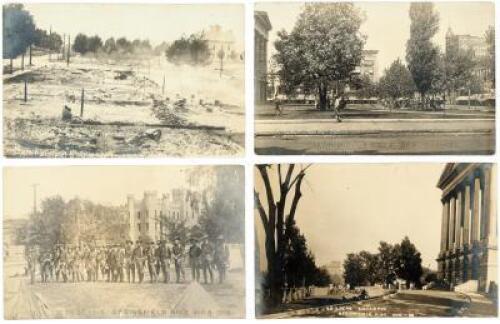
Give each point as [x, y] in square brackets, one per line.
[451, 225]
[458, 221]
[476, 210]
[444, 226]
[467, 215]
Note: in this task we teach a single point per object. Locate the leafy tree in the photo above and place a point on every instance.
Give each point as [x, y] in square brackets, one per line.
[124, 45]
[18, 31]
[189, 50]
[51, 41]
[386, 256]
[421, 54]
[459, 68]
[81, 44]
[323, 49]
[354, 270]
[364, 87]
[396, 82]
[490, 41]
[94, 44]
[177, 228]
[408, 264]
[110, 45]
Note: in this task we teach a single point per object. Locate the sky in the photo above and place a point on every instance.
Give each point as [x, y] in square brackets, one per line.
[109, 185]
[156, 22]
[348, 208]
[387, 24]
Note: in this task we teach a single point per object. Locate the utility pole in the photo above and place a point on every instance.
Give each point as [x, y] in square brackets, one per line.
[82, 102]
[69, 50]
[35, 186]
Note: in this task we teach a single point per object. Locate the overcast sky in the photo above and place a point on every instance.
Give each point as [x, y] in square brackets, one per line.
[103, 184]
[352, 207]
[387, 24]
[156, 22]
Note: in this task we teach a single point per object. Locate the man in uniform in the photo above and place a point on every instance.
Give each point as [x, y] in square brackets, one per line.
[207, 259]
[139, 257]
[221, 258]
[129, 261]
[178, 254]
[194, 259]
[163, 255]
[151, 259]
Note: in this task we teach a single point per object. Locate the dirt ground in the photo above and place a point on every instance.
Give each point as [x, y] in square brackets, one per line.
[145, 107]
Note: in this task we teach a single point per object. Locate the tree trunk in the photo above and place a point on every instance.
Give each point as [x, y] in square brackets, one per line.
[322, 96]
[11, 66]
[22, 62]
[31, 56]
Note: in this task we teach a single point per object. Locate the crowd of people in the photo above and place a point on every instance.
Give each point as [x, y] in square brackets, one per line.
[130, 262]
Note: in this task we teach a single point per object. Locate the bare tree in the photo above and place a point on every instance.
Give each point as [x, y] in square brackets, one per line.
[275, 216]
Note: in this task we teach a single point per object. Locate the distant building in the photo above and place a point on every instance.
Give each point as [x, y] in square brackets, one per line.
[369, 65]
[148, 216]
[468, 257]
[14, 230]
[218, 39]
[262, 28]
[476, 44]
[336, 271]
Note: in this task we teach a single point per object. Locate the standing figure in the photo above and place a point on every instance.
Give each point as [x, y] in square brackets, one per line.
[120, 264]
[139, 257]
[151, 259]
[178, 254]
[163, 255]
[207, 253]
[194, 259]
[221, 258]
[129, 261]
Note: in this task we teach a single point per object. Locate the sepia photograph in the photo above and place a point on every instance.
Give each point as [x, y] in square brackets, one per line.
[376, 240]
[123, 80]
[90, 242]
[388, 78]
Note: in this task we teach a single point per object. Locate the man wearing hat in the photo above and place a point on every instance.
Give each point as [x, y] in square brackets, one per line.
[194, 259]
[178, 253]
[139, 258]
[207, 252]
[151, 259]
[221, 257]
[129, 262]
[163, 255]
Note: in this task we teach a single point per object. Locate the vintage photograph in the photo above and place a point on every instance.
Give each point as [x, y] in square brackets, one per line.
[374, 78]
[123, 80]
[376, 240]
[85, 242]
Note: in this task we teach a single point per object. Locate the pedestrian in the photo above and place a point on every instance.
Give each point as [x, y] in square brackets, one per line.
[139, 258]
[277, 107]
[206, 260]
[178, 254]
[221, 257]
[194, 259]
[164, 255]
[129, 261]
[151, 260]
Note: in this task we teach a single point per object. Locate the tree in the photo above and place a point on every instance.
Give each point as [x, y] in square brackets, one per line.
[387, 257]
[323, 49]
[94, 44]
[354, 270]
[189, 50]
[490, 41]
[421, 54]
[18, 31]
[275, 216]
[364, 87]
[51, 41]
[459, 68]
[396, 82]
[81, 44]
[408, 263]
[124, 45]
[109, 45]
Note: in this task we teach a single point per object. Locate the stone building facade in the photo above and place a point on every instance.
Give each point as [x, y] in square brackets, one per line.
[262, 28]
[147, 217]
[468, 254]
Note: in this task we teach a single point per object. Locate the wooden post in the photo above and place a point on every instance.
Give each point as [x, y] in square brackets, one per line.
[82, 102]
[11, 66]
[25, 90]
[22, 62]
[64, 47]
[69, 50]
[31, 47]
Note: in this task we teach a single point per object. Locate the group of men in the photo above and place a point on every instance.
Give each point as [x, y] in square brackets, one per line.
[131, 262]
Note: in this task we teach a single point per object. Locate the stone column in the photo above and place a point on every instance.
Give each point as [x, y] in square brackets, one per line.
[467, 215]
[444, 226]
[475, 211]
[458, 221]
[451, 225]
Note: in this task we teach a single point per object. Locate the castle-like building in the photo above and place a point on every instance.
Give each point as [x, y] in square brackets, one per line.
[147, 217]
